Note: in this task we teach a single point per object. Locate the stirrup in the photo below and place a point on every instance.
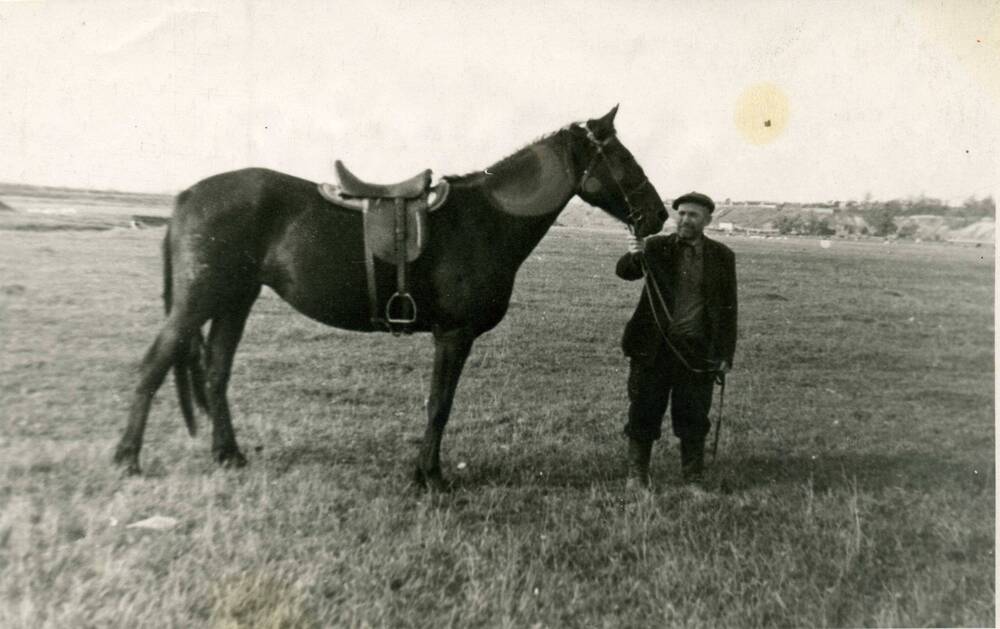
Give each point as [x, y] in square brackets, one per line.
[407, 302]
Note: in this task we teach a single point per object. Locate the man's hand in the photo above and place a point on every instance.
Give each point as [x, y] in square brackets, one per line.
[635, 244]
[723, 367]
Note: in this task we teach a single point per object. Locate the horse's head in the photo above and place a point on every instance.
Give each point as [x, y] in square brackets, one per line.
[612, 180]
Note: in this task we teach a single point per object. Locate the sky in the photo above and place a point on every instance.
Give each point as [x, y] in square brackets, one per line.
[891, 99]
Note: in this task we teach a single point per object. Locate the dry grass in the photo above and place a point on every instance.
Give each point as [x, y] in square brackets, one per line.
[855, 485]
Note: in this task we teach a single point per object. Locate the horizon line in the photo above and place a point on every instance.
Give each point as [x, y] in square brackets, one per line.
[946, 201]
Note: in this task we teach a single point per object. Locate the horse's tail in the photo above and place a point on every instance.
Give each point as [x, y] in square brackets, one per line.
[189, 378]
[187, 364]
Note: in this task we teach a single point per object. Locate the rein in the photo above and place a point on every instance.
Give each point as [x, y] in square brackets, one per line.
[651, 287]
[633, 213]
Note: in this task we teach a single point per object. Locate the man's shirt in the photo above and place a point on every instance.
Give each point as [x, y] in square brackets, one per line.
[689, 304]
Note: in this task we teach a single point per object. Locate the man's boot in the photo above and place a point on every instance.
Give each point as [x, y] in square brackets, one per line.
[692, 459]
[638, 462]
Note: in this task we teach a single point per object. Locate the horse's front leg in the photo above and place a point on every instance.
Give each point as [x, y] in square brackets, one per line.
[451, 348]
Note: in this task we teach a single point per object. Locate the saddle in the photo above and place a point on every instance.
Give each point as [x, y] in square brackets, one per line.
[395, 231]
[411, 188]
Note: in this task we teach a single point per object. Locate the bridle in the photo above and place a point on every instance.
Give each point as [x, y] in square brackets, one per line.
[633, 213]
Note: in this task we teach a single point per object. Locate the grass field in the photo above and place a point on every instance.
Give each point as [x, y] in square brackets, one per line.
[854, 486]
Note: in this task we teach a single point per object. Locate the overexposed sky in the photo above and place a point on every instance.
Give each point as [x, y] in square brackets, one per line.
[891, 98]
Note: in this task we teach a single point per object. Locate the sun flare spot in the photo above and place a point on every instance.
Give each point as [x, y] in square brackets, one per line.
[761, 113]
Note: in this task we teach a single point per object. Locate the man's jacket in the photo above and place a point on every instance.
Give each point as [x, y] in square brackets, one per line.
[642, 339]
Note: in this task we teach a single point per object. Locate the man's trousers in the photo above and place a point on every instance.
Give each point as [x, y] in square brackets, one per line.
[652, 385]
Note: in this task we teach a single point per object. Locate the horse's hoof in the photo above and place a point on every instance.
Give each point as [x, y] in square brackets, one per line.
[131, 470]
[127, 461]
[232, 459]
[432, 481]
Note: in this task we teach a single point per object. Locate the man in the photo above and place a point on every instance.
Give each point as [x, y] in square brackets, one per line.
[693, 304]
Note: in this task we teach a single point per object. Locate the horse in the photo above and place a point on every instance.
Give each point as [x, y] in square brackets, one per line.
[235, 232]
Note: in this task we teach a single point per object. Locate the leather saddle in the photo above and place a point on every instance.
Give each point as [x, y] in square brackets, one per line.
[395, 230]
[352, 185]
[378, 204]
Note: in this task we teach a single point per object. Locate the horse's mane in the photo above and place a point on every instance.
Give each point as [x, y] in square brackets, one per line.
[507, 163]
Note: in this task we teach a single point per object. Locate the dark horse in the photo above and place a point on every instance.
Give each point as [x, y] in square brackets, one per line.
[233, 233]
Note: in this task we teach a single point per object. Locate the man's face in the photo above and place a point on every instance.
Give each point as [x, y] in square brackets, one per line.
[691, 220]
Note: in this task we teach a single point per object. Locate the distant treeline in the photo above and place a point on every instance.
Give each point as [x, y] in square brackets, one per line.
[882, 218]
[972, 209]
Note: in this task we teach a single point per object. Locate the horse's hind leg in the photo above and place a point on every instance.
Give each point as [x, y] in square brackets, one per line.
[165, 350]
[223, 338]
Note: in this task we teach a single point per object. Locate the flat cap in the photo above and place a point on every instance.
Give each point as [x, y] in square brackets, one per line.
[695, 197]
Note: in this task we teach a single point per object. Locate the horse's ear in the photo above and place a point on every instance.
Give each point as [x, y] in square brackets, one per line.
[606, 123]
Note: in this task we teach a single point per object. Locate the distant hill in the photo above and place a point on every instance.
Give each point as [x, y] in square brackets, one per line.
[72, 201]
[58, 192]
